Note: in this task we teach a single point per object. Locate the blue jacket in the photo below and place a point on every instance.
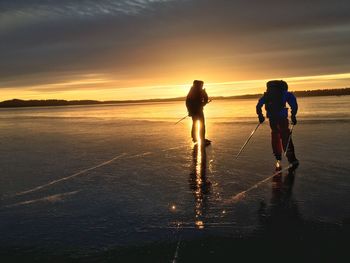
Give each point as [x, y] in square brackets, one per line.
[288, 97]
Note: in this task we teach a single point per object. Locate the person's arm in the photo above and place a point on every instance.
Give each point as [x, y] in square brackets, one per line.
[292, 101]
[261, 102]
[189, 106]
[205, 97]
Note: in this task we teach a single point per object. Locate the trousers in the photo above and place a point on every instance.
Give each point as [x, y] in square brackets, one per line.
[280, 134]
[198, 117]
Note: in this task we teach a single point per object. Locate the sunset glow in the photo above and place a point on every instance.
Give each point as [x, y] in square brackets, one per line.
[130, 49]
[104, 88]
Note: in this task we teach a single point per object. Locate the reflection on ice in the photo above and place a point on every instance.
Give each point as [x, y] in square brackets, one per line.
[199, 183]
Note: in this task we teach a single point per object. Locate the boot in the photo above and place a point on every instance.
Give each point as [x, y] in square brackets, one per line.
[278, 157]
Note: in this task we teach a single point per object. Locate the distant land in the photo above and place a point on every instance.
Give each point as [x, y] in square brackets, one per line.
[14, 103]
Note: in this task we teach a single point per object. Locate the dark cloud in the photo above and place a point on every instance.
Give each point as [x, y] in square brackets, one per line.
[46, 41]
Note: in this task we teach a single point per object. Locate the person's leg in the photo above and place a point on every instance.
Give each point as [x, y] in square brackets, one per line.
[285, 134]
[276, 139]
[202, 126]
[291, 153]
[194, 129]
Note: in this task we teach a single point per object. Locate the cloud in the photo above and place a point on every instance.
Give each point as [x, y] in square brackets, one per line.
[157, 41]
[64, 8]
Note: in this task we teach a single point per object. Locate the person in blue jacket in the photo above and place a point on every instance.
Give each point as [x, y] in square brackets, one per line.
[275, 99]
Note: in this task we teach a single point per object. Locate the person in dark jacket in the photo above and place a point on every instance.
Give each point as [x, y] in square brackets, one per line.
[275, 99]
[196, 99]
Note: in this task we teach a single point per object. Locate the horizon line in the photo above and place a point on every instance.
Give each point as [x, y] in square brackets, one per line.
[248, 95]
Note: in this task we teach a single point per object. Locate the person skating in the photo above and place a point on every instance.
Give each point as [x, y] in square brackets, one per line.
[196, 99]
[275, 99]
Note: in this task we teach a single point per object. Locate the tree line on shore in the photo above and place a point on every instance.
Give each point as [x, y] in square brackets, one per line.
[54, 102]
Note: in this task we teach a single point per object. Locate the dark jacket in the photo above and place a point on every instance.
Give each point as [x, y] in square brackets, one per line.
[195, 101]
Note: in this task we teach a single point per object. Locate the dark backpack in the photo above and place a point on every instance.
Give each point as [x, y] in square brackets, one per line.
[274, 97]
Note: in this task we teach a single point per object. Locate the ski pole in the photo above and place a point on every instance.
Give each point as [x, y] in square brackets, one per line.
[290, 136]
[246, 142]
[181, 119]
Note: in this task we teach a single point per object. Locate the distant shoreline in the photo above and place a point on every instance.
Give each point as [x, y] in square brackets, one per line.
[16, 103]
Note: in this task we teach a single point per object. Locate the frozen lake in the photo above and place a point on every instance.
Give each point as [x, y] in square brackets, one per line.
[79, 181]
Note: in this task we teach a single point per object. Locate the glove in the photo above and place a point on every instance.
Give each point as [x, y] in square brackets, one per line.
[294, 120]
[261, 118]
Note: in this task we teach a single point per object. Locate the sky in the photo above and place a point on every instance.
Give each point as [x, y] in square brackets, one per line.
[141, 49]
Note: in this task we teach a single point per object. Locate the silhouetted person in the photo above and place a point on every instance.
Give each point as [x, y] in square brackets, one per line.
[275, 99]
[196, 99]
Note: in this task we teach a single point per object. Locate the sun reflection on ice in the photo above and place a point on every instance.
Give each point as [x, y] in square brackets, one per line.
[199, 224]
[173, 208]
[199, 184]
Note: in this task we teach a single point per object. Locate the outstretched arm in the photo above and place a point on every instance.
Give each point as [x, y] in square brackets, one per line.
[205, 97]
[292, 101]
[261, 102]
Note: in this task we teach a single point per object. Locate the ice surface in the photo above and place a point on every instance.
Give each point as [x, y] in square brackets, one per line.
[124, 175]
